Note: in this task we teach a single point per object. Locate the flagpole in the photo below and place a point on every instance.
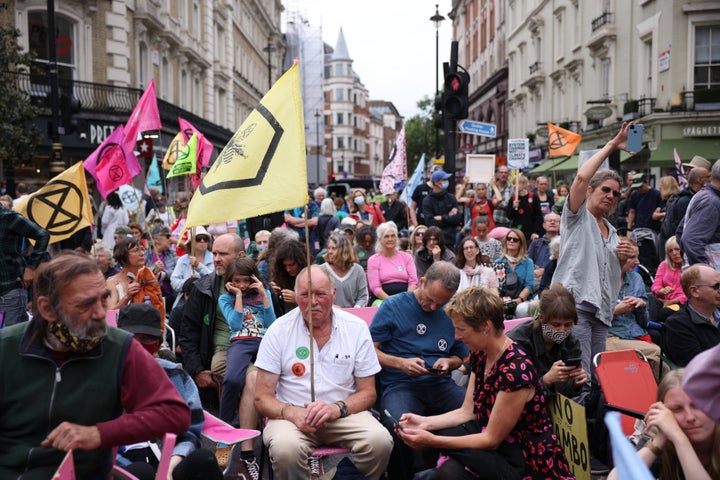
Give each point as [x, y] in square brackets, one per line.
[310, 302]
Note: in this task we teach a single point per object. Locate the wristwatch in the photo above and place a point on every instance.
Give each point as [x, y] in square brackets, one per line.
[344, 412]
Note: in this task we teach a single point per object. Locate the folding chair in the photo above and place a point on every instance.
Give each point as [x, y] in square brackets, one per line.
[119, 473]
[628, 383]
[216, 431]
[66, 470]
[512, 323]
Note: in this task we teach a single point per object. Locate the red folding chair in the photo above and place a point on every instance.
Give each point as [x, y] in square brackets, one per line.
[628, 383]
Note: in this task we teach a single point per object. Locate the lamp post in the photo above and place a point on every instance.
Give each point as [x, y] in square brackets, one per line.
[317, 143]
[437, 20]
[269, 49]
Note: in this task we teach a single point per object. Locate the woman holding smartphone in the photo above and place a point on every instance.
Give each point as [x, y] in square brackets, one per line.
[549, 342]
[502, 429]
[592, 252]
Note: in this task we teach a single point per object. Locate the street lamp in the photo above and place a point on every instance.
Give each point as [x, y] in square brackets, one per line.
[437, 20]
[269, 49]
[317, 143]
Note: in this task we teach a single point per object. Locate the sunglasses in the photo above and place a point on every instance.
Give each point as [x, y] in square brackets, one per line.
[606, 190]
[513, 239]
[419, 234]
[202, 239]
[714, 286]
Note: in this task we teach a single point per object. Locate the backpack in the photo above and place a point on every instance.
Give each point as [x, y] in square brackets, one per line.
[150, 287]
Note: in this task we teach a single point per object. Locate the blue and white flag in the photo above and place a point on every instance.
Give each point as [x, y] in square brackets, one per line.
[627, 463]
[415, 180]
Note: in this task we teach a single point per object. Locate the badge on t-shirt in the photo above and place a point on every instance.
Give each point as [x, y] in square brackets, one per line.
[399, 268]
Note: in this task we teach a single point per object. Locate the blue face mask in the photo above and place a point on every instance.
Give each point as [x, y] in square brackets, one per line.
[445, 184]
[359, 200]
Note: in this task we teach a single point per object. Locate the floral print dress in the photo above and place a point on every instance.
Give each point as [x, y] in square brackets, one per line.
[544, 457]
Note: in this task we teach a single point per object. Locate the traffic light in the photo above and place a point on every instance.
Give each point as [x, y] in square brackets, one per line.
[69, 107]
[455, 96]
[439, 114]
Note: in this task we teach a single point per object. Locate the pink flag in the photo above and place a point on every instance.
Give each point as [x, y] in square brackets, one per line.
[204, 148]
[144, 117]
[394, 176]
[682, 181]
[112, 164]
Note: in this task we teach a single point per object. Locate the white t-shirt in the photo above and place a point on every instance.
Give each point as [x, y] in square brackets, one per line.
[348, 354]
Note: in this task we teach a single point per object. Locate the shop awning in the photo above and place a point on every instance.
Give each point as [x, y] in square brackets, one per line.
[547, 166]
[687, 148]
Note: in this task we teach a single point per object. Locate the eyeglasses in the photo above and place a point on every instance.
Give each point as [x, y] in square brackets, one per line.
[606, 190]
[513, 239]
[714, 286]
[470, 247]
[202, 239]
[419, 234]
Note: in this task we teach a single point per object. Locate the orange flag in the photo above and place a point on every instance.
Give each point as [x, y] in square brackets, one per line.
[561, 142]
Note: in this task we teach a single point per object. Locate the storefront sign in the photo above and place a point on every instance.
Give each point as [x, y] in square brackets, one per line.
[702, 131]
[98, 133]
[664, 61]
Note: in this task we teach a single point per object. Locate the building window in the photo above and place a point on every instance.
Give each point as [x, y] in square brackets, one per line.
[707, 57]
[196, 20]
[605, 78]
[338, 70]
[220, 102]
[183, 89]
[339, 94]
[340, 143]
[340, 118]
[65, 41]
[197, 98]
[142, 63]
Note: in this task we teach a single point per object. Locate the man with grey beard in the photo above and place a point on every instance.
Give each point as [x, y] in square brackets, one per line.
[70, 382]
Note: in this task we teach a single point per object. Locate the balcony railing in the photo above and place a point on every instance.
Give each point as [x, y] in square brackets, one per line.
[534, 68]
[603, 19]
[111, 100]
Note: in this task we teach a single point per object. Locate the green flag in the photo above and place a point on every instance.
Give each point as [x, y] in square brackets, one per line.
[185, 163]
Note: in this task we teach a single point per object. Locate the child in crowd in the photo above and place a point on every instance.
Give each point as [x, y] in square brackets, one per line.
[248, 311]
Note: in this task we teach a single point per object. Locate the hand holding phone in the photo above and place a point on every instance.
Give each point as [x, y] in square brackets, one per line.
[436, 371]
[392, 419]
[573, 362]
[634, 140]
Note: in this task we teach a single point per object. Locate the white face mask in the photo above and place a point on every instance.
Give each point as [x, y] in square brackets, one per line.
[445, 184]
[359, 200]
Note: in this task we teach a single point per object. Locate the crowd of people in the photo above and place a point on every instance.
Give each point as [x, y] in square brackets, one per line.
[260, 330]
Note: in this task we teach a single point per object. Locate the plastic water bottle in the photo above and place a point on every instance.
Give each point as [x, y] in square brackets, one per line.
[147, 300]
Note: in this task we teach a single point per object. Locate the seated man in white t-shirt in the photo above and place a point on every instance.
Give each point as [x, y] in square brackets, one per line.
[345, 365]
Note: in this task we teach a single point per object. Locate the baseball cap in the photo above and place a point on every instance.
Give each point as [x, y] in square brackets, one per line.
[638, 180]
[698, 161]
[140, 318]
[439, 175]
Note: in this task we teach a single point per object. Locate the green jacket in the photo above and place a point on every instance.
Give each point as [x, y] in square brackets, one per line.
[36, 396]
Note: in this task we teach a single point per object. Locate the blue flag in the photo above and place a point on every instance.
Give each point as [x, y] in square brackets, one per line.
[153, 175]
[628, 464]
[415, 180]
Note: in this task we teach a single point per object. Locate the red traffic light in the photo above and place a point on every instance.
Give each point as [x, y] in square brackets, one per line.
[454, 82]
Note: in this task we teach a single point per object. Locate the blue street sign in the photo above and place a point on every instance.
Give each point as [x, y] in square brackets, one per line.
[477, 128]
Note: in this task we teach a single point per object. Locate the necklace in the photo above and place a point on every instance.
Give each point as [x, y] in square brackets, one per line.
[489, 365]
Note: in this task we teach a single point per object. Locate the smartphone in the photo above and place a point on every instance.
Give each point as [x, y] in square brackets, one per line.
[392, 419]
[436, 371]
[635, 134]
[573, 362]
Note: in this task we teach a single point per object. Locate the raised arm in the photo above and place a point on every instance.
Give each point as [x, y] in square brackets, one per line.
[579, 186]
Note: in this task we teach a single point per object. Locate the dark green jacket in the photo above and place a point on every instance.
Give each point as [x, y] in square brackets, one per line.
[36, 396]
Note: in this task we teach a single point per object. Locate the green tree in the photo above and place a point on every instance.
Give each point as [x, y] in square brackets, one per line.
[18, 135]
[420, 134]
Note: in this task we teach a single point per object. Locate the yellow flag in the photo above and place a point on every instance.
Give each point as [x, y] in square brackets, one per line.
[562, 142]
[176, 146]
[62, 206]
[186, 162]
[263, 168]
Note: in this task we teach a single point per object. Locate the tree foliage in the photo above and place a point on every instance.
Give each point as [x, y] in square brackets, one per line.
[18, 135]
[420, 134]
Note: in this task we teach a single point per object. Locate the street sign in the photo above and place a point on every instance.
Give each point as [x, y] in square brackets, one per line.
[477, 128]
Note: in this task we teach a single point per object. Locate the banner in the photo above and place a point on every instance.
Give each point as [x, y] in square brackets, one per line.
[112, 164]
[394, 177]
[62, 206]
[263, 168]
[187, 160]
[568, 420]
[561, 142]
[176, 146]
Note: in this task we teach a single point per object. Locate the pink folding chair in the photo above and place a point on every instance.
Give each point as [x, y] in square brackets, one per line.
[366, 313]
[317, 457]
[66, 470]
[119, 473]
[218, 431]
[510, 324]
[111, 317]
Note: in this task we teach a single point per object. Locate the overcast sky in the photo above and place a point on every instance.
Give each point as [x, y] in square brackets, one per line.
[391, 42]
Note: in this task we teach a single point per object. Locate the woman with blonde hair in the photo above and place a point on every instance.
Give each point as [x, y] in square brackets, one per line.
[416, 239]
[348, 276]
[685, 442]
[519, 272]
